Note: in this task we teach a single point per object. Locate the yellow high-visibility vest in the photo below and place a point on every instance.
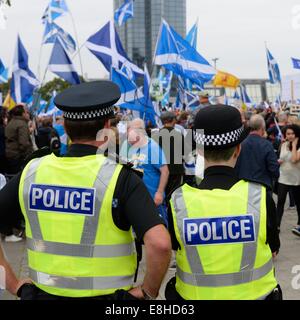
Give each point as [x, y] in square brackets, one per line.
[222, 235]
[74, 247]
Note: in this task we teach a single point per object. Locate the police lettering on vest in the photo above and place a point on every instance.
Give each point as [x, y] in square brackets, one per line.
[221, 230]
[62, 199]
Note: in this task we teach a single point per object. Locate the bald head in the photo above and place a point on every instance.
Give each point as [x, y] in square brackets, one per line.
[137, 124]
[282, 118]
[257, 123]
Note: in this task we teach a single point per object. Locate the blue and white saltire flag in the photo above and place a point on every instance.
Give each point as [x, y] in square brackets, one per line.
[61, 64]
[278, 100]
[148, 101]
[236, 96]
[167, 83]
[274, 72]
[245, 98]
[3, 73]
[53, 31]
[296, 63]
[193, 101]
[124, 13]
[181, 95]
[107, 47]
[192, 36]
[23, 80]
[54, 10]
[279, 134]
[131, 96]
[177, 55]
[52, 109]
[42, 108]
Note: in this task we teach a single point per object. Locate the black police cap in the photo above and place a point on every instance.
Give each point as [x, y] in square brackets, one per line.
[89, 101]
[222, 125]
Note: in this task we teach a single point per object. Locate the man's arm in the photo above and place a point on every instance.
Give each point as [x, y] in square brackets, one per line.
[137, 209]
[164, 177]
[12, 284]
[158, 254]
[272, 162]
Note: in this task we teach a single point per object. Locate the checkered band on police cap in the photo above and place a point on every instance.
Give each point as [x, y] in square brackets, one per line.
[218, 139]
[89, 115]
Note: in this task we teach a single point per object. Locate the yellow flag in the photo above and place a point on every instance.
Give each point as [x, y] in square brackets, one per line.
[9, 102]
[244, 107]
[226, 80]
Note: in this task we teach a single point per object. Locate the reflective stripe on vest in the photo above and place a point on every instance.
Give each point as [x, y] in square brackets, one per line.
[224, 280]
[80, 283]
[78, 250]
[247, 272]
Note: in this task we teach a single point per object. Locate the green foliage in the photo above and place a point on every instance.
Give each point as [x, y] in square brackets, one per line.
[56, 84]
[46, 90]
[4, 88]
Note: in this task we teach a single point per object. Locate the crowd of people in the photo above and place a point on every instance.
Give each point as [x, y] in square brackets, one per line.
[269, 156]
[167, 157]
[21, 136]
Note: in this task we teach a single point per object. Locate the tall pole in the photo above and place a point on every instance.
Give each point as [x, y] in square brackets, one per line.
[215, 60]
[77, 40]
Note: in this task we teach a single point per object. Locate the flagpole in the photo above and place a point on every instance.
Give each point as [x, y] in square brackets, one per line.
[40, 59]
[77, 40]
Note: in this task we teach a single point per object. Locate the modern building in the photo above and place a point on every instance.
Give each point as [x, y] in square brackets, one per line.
[257, 89]
[139, 35]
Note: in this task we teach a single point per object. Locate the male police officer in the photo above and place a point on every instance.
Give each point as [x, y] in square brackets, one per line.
[226, 228]
[80, 210]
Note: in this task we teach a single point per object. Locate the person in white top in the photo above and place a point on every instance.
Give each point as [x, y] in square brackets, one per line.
[289, 172]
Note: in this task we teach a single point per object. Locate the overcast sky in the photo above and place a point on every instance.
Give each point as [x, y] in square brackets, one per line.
[233, 30]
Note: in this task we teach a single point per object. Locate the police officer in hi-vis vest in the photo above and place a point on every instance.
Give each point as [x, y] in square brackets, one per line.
[225, 230]
[81, 210]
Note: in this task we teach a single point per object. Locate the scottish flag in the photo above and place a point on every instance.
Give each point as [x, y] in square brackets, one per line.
[181, 95]
[131, 97]
[3, 73]
[245, 98]
[23, 80]
[147, 99]
[54, 10]
[107, 47]
[177, 55]
[124, 13]
[53, 31]
[274, 72]
[192, 36]
[61, 64]
[236, 96]
[42, 108]
[296, 63]
[193, 101]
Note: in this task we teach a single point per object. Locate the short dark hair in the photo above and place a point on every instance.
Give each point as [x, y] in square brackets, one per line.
[219, 155]
[17, 111]
[84, 130]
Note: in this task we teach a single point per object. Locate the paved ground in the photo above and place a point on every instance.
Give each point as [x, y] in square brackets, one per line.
[288, 258]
